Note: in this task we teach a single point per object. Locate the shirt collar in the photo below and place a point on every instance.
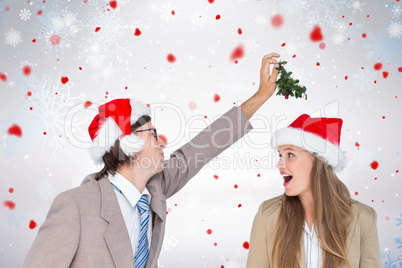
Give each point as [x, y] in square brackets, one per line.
[128, 189]
[307, 230]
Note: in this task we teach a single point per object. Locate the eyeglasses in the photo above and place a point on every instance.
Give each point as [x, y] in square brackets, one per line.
[154, 133]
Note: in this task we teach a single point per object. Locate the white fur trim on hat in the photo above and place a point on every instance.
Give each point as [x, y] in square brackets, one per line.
[138, 109]
[106, 138]
[330, 153]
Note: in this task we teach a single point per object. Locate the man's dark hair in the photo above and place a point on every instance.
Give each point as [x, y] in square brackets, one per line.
[116, 158]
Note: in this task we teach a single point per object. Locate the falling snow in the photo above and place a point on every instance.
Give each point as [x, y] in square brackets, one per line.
[13, 37]
[25, 14]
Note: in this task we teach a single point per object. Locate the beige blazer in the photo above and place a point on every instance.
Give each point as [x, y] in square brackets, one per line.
[85, 227]
[362, 239]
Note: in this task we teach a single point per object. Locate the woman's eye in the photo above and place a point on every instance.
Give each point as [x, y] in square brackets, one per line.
[291, 155]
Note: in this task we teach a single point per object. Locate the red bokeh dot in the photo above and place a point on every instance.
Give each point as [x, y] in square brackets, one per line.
[113, 4]
[33, 40]
[218, 17]
[277, 20]
[246, 245]
[216, 177]
[39, 12]
[7, 8]
[364, 35]
[215, 244]
[32, 224]
[322, 45]
[29, 93]
[54, 39]
[387, 218]
[239, 205]
[171, 58]
[11, 190]
[374, 165]
[211, 1]
[236, 186]
[44, 133]
[26, 70]
[356, 193]
[209, 231]
[400, 69]
[239, 31]
[378, 66]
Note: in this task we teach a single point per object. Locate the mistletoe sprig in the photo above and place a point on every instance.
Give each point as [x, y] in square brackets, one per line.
[287, 85]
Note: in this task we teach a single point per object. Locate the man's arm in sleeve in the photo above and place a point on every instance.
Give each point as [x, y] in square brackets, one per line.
[58, 238]
[190, 158]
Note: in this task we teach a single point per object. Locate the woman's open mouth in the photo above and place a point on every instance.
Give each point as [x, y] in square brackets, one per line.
[287, 178]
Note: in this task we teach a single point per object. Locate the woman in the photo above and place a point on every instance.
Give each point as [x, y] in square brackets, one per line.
[315, 223]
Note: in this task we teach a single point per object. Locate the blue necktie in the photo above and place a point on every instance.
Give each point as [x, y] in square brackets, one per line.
[141, 256]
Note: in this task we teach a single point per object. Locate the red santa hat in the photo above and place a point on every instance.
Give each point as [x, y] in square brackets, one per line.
[320, 135]
[113, 121]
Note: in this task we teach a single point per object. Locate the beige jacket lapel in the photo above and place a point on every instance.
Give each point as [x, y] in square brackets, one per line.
[116, 235]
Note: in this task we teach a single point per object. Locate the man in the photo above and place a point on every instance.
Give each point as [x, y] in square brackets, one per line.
[117, 217]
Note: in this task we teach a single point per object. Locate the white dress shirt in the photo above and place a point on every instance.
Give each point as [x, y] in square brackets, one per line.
[312, 248]
[128, 206]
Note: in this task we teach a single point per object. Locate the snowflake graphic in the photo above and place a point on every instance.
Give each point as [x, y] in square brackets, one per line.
[395, 29]
[110, 25]
[396, 10]
[341, 26]
[321, 11]
[45, 190]
[56, 21]
[13, 37]
[164, 10]
[338, 38]
[295, 46]
[45, 110]
[382, 46]
[364, 79]
[15, 218]
[391, 263]
[357, 6]
[25, 14]
[399, 220]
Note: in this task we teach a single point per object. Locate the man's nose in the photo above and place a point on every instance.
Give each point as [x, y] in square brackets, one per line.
[161, 143]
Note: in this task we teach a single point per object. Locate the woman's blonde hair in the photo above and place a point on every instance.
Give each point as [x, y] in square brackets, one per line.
[332, 216]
